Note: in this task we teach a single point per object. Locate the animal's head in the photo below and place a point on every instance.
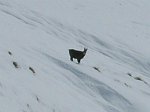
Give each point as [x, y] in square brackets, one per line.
[84, 52]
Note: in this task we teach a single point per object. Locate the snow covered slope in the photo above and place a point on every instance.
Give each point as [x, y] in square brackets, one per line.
[35, 37]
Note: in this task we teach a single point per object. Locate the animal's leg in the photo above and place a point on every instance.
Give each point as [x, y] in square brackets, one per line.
[78, 60]
[71, 58]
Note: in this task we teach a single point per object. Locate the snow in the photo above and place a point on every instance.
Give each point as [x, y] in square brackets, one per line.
[39, 33]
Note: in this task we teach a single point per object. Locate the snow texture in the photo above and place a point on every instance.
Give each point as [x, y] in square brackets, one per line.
[36, 74]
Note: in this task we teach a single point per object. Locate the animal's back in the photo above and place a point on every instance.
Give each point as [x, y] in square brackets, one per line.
[75, 54]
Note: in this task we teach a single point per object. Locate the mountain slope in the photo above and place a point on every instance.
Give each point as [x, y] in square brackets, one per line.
[113, 76]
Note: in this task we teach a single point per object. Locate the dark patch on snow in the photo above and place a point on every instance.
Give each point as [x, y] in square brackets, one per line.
[31, 69]
[138, 78]
[37, 98]
[10, 53]
[127, 85]
[129, 74]
[97, 69]
[15, 64]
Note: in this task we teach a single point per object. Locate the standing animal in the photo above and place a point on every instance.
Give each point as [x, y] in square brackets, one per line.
[77, 54]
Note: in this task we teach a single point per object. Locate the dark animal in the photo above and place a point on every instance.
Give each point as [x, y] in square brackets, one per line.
[77, 54]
